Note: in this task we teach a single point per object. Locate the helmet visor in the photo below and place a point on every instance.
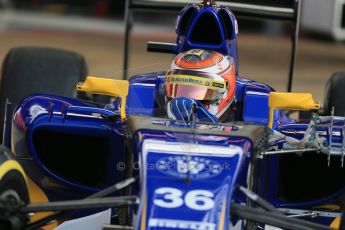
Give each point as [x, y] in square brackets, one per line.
[199, 86]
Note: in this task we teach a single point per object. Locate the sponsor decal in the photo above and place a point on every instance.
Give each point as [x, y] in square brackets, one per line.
[191, 80]
[197, 52]
[181, 224]
[218, 85]
[194, 167]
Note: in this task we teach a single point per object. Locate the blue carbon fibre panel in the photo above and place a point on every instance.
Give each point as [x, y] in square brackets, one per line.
[256, 108]
[220, 190]
[141, 100]
[143, 89]
[227, 46]
[240, 90]
[254, 100]
[60, 115]
[217, 185]
[220, 185]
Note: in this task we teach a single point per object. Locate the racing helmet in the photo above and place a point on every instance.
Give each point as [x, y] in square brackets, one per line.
[203, 75]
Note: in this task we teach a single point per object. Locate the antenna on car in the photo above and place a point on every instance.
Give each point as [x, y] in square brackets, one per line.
[209, 2]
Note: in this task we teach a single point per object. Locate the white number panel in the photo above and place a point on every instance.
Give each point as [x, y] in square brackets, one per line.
[200, 200]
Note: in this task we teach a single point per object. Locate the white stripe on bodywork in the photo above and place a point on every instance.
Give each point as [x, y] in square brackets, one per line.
[178, 109]
[144, 84]
[256, 93]
[224, 109]
[169, 111]
[180, 224]
[185, 148]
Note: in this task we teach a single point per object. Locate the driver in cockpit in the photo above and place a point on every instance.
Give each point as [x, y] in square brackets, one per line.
[205, 78]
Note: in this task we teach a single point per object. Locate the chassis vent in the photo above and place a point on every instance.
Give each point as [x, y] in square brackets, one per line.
[206, 30]
[75, 158]
[308, 177]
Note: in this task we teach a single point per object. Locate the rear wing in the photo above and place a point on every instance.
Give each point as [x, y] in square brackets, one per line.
[283, 10]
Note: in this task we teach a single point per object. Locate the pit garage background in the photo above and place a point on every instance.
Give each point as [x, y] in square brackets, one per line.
[95, 29]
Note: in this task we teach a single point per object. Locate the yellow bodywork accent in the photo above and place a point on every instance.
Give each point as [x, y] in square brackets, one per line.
[38, 196]
[332, 207]
[143, 216]
[336, 223]
[140, 136]
[12, 165]
[290, 101]
[222, 216]
[106, 86]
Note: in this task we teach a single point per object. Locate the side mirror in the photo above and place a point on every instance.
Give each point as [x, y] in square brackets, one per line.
[106, 86]
[290, 101]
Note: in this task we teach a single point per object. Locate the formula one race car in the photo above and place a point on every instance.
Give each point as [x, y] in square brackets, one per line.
[193, 147]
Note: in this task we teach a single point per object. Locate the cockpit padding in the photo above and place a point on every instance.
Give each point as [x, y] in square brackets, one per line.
[257, 134]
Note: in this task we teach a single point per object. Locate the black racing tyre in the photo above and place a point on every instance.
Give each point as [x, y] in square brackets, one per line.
[13, 191]
[28, 70]
[335, 94]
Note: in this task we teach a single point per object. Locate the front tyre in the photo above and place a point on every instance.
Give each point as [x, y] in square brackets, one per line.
[13, 193]
[29, 70]
[334, 94]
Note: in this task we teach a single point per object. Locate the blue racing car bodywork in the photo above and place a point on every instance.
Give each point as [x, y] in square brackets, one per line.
[190, 173]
